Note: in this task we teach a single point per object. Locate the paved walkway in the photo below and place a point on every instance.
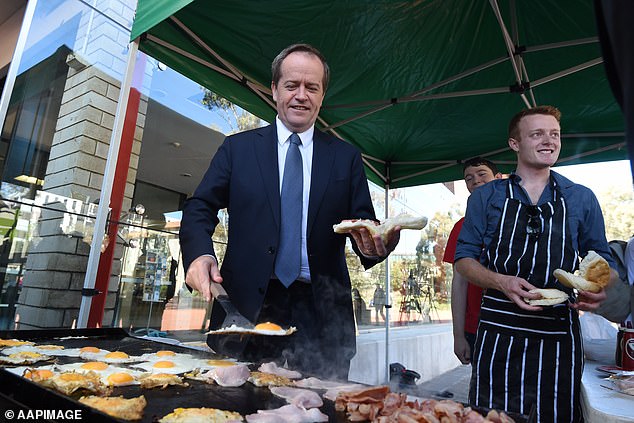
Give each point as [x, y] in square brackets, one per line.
[453, 384]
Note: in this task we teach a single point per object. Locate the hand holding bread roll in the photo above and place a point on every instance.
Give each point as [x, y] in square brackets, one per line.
[383, 229]
[549, 297]
[593, 274]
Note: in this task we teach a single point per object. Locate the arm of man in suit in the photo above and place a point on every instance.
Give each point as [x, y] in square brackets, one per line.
[200, 217]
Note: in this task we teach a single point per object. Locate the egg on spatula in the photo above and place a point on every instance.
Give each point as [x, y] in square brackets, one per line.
[266, 328]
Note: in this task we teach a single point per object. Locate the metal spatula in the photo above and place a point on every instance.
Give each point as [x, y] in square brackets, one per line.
[233, 315]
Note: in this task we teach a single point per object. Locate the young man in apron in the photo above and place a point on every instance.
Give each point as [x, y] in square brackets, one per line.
[530, 224]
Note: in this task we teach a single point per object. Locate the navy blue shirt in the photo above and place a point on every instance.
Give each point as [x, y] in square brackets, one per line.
[484, 210]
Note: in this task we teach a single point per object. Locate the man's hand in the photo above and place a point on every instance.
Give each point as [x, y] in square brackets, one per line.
[462, 349]
[589, 301]
[203, 271]
[516, 289]
[373, 246]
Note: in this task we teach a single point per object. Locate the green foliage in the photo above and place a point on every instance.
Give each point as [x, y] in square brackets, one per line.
[618, 212]
[238, 119]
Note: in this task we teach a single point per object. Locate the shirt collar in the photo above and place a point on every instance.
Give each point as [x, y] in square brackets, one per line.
[561, 180]
[283, 133]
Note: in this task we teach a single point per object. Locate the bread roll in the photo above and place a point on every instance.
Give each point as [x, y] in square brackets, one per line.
[404, 221]
[592, 276]
[595, 268]
[549, 297]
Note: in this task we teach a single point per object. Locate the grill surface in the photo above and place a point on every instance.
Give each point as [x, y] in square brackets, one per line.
[20, 392]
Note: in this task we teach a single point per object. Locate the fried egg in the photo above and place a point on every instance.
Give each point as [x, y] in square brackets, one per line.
[65, 382]
[266, 328]
[160, 380]
[180, 415]
[95, 366]
[165, 355]
[54, 350]
[42, 372]
[38, 374]
[119, 407]
[109, 375]
[13, 343]
[121, 377]
[207, 364]
[69, 382]
[107, 356]
[24, 357]
[169, 366]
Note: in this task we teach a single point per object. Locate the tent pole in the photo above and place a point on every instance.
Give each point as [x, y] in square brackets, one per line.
[388, 302]
[567, 72]
[106, 188]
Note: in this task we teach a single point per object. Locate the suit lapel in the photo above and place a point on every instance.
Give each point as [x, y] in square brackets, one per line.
[266, 153]
[323, 159]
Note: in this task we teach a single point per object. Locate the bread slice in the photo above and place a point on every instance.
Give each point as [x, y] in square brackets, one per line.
[549, 297]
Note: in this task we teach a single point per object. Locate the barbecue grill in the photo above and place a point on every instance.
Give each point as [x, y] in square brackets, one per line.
[18, 393]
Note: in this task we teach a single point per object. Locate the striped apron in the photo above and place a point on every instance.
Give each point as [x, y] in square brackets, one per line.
[522, 359]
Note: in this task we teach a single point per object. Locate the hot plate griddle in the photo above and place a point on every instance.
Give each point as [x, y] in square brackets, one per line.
[246, 399]
[19, 393]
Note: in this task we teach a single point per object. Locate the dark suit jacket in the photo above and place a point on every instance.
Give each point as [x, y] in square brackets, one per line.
[243, 176]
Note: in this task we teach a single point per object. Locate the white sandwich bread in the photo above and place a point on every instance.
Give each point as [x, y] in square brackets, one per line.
[404, 221]
[549, 297]
[592, 276]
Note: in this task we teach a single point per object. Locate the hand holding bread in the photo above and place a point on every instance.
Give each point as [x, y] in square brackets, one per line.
[403, 221]
[593, 274]
[548, 297]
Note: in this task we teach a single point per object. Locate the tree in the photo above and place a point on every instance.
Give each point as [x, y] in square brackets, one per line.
[238, 119]
[618, 212]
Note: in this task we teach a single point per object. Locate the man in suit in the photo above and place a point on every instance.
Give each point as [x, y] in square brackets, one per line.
[247, 176]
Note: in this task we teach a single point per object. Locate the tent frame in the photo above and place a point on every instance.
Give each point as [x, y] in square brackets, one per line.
[514, 56]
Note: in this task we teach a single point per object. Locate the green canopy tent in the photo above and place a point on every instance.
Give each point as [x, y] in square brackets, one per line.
[418, 86]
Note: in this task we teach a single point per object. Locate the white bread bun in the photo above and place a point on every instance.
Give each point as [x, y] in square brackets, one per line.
[549, 297]
[592, 276]
[404, 221]
[575, 281]
[595, 268]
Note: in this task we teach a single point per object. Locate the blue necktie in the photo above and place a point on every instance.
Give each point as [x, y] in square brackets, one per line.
[288, 259]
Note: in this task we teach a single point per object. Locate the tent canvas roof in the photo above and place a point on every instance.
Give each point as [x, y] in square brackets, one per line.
[418, 86]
